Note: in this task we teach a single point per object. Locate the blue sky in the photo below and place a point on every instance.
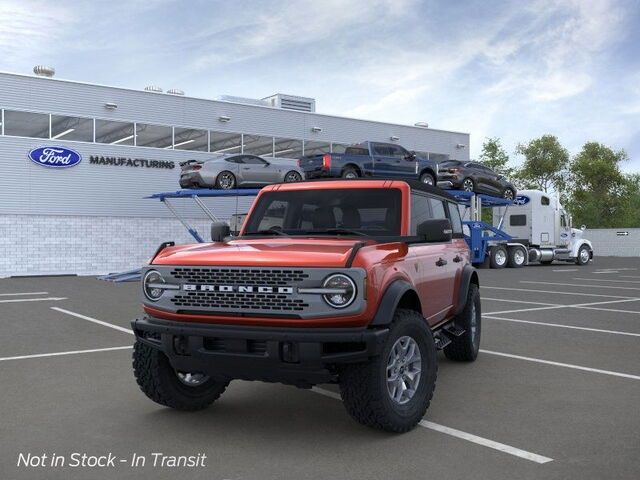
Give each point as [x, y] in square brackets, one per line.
[510, 69]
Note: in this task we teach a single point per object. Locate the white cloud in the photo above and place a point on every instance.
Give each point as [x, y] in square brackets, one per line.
[30, 27]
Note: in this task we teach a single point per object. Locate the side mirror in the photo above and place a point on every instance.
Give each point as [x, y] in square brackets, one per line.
[437, 230]
[219, 231]
[410, 156]
[583, 227]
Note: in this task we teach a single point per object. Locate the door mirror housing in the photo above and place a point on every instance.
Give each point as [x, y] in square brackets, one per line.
[435, 230]
[410, 156]
[219, 231]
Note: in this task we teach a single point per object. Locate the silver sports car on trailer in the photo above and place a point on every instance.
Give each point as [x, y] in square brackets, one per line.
[237, 171]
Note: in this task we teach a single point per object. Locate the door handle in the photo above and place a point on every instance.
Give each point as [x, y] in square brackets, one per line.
[457, 259]
[441, 262]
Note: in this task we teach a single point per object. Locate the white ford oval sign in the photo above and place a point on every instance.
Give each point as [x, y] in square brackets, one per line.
[55, 157]
[521, 200]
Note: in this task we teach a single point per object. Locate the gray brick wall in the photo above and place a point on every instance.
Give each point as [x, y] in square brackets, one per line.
[608, 242]
[83, 245]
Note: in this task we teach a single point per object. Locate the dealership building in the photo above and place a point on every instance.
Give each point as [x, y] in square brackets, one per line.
[92, 217]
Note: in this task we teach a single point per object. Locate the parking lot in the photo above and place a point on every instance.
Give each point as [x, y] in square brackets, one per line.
[554, 393]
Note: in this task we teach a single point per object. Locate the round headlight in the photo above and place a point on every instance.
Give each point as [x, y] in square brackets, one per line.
[343, 291]
[150, 285]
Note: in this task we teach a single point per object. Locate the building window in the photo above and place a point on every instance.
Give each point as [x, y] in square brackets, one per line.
[157, 136]
[26, 124]
[338, 147]
[226, 143]
[114, 133]
[190, 139]
[257, 145]
[316, 148]
[71, 128]
[287, 148]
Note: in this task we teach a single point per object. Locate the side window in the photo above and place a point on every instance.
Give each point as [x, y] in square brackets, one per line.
[437, 208]
[563, 220]
[381, 150]
[251, 160]
[397, 151]
[544, 201]
[420, 211]
[456, 221]
[234, 160]
[517, 220]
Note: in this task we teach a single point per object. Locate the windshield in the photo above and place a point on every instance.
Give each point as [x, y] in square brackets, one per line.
[371, 212]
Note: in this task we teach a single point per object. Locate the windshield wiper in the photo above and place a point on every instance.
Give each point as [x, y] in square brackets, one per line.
[269, 231]
[336, 231]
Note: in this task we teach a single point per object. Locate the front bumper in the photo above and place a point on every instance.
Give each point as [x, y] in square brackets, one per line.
[298, 356]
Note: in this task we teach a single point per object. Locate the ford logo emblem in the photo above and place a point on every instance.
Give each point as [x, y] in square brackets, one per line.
[55, 157]
[521, 200]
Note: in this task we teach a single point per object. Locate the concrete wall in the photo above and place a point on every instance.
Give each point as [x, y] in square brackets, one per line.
[610, 242]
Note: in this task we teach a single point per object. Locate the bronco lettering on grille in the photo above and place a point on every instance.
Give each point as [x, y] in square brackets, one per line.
[237, 289]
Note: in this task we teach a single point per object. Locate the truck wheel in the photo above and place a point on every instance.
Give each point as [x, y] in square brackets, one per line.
[465, 347]
[517, 257]
[427, 179]
[350, 173]
[583, 255]
[468, 185]
[225, 180]
[162, 384]
[393, 390]
[498, 256]
[508, 194]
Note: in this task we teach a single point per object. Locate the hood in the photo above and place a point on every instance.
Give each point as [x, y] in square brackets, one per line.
[307, 252]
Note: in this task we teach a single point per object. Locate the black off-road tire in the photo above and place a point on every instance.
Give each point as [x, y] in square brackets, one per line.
[498, 256]
[159, 381]
[350, 172]
[465, 347]
[363, 386]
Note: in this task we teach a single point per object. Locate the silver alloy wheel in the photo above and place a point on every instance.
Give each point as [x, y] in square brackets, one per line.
[467, 185]
[584, 255]
[350, 175]
[500, 256]
[508, 194]
[403, 370]
[518, 256]
[226, 180]
[292, 177]
[427, 179]
[192, 379]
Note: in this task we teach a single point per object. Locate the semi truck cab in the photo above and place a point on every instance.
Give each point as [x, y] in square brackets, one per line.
[538, 221]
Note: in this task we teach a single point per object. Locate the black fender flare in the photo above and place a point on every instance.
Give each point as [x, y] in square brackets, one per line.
[469, 275]
[389, 303]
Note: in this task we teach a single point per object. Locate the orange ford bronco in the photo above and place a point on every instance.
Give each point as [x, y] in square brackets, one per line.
[353, 282]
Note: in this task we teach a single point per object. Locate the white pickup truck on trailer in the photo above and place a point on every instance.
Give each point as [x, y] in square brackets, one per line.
[541, 228]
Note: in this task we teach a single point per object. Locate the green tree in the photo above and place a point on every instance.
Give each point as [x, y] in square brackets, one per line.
[495, 157]
[601, 195]
[545, 164]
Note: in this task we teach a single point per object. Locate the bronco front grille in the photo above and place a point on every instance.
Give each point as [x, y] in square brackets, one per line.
[241, 276]
[239, 301]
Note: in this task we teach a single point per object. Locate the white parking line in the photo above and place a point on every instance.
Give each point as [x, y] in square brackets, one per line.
[469, 437]
[58, 354]
[629, 276]
[519, 301]
[579, 294]
[23, 293]
[566, 270]
[576, 305]
[572, 327]
[47, 299]
[94, 320]
[565, 365]
[605, 280]
[581, 285]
